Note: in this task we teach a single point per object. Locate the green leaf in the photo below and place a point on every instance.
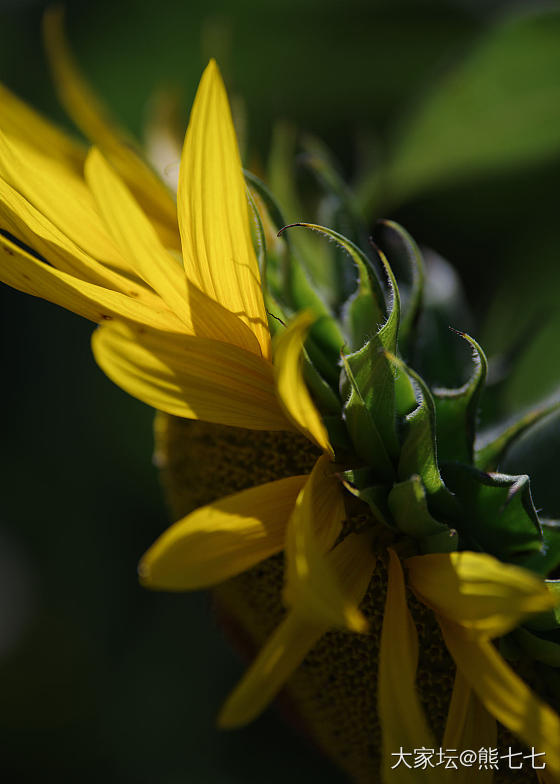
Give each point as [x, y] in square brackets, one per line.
[547, 561]
[457, 409]
[409, 508]
[491, 446]
[406, 260]
[497, 512]
[497, 109]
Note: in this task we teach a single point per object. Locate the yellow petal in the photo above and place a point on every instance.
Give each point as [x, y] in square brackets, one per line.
[93, 119]
[315, 524]
[477, 591]
[192, 377]
[504, 694]
[23, 221]
[353, 561]
[136, 237]
[213, 214]
[292, 390]
[401, 716]
[469, 726]
[61, 196]
[222, 539]
[282, 654]
[20, 120]
[22, 271]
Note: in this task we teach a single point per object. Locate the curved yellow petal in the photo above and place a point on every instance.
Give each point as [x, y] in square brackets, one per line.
[402, 719]
[22, 271]
[61, 196]
[191, 377]
[311, 585]
[136, 237]
[504, 694]
[213, 214]
[20, 120]
[25, 223]
[353, 562]
[469, 726]
[92, 117]
[222, 539]
[292, 390]
[477, 591]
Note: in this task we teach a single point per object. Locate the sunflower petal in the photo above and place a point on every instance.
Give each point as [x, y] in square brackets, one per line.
[61, 196]
[400, 713]
[213, 214]
[92, 117]
[316, 522]
[20, 120]
[353, 561]
[222, 539]
[504, 694]
[22, 271]
[469, 726]
[477, 591]
[21, 220]
[134, 234]
[191, 377]
[292, 390]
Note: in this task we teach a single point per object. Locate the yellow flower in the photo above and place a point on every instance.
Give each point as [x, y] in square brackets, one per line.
[188, 335]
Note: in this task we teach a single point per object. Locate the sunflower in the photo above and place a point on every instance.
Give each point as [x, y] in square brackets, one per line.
[183, 327]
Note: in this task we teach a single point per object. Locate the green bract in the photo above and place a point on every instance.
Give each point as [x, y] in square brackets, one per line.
[409, 448]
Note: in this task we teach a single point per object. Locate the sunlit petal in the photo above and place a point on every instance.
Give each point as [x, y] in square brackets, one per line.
[292, 390]
[191, 377]
[222, 539]
[213, 213]
[478, 591]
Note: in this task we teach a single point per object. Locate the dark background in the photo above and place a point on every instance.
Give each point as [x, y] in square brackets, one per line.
[100, 679]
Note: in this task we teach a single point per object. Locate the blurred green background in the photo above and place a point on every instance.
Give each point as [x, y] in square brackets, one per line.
[460, 112]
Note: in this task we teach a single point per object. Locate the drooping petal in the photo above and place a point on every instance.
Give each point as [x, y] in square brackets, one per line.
[504, 694]
[222, 539]
[92, 117]
[292, 390]
[213, 214]
[136, 237]
[311, 585]
[28, 225]
[282, 654]
[191, 377]
[22, 271]
[469, 726]
[20, 120]
[401, 716]
[477, 591]
[61, 196]
[353, 561]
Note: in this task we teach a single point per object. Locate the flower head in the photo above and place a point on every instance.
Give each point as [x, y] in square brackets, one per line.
[179, 297]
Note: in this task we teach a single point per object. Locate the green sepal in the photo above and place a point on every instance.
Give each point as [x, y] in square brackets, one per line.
[360, 483]
[456, 410]
[365, 310]
[362, 426]
[327, 401]
[338, 436]
[497, 512]
[419, 451]
[491, 446]
[405, 257]
[409, 508]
